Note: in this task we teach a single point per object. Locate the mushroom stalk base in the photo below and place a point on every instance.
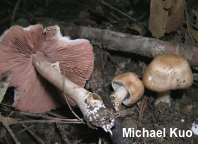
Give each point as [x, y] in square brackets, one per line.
[118, 96]
[163, 97]
[90, 104]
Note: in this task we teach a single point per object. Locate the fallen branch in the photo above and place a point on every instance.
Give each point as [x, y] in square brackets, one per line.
[144, 46]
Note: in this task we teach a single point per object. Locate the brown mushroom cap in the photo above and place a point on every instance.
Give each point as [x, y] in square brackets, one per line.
[168, 72]
[132, 84]
[34, 93]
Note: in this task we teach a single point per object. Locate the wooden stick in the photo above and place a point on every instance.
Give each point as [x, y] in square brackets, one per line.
[144, 46]
[40, 141]
[6, 125]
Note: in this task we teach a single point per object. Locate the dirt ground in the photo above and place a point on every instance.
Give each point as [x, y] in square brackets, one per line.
[184, 103]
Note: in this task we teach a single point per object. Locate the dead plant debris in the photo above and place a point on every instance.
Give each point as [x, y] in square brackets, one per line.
[126, 36]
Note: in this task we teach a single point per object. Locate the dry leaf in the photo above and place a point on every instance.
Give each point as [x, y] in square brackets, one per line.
[170, 3]
[4, 82]
[157, 19]
[175, 17]
[165, 16]
[8, 120]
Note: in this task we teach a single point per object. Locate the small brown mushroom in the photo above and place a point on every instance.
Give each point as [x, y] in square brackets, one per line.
[128, 89]
[165, 73]
[33, 93]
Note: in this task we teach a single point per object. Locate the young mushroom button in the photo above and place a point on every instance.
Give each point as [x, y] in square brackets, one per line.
[128, 89]
[165, 73]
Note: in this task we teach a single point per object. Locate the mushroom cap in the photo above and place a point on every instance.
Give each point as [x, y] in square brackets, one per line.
[132, 84]
[167, 72]
[33, 93]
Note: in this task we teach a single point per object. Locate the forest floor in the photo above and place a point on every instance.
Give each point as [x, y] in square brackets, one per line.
[181, 115]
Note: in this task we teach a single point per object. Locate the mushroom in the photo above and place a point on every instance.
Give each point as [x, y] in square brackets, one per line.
[165, 73]
[33, 93]
[128, 89]
[90, 104]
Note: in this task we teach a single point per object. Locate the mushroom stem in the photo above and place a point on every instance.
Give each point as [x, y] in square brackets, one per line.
[163, 97]
[90, 104]
[118, 96]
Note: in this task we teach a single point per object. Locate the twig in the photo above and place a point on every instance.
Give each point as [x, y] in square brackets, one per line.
[161, 140]
[79, 141]
[62, 132]
[56, 115]
[68, 102]
[31, 15]
[6, 125]
[64, 137]
[144, 46]
[19, 132]
[6, 139]
[32, 133]
[125, 112]
[9, 2]
[46, 3]
[143, 15]
[144, 100]
[114, 16]
[119, 11]
[46, 121]
[49, 118]
[14, 12]
[187, 22]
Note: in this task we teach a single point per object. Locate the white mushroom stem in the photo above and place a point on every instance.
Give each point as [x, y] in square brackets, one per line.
[163, 97]
[118, 96]
[90, 104]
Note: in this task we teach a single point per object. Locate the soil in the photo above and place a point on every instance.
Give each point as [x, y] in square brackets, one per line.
[180, 115]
